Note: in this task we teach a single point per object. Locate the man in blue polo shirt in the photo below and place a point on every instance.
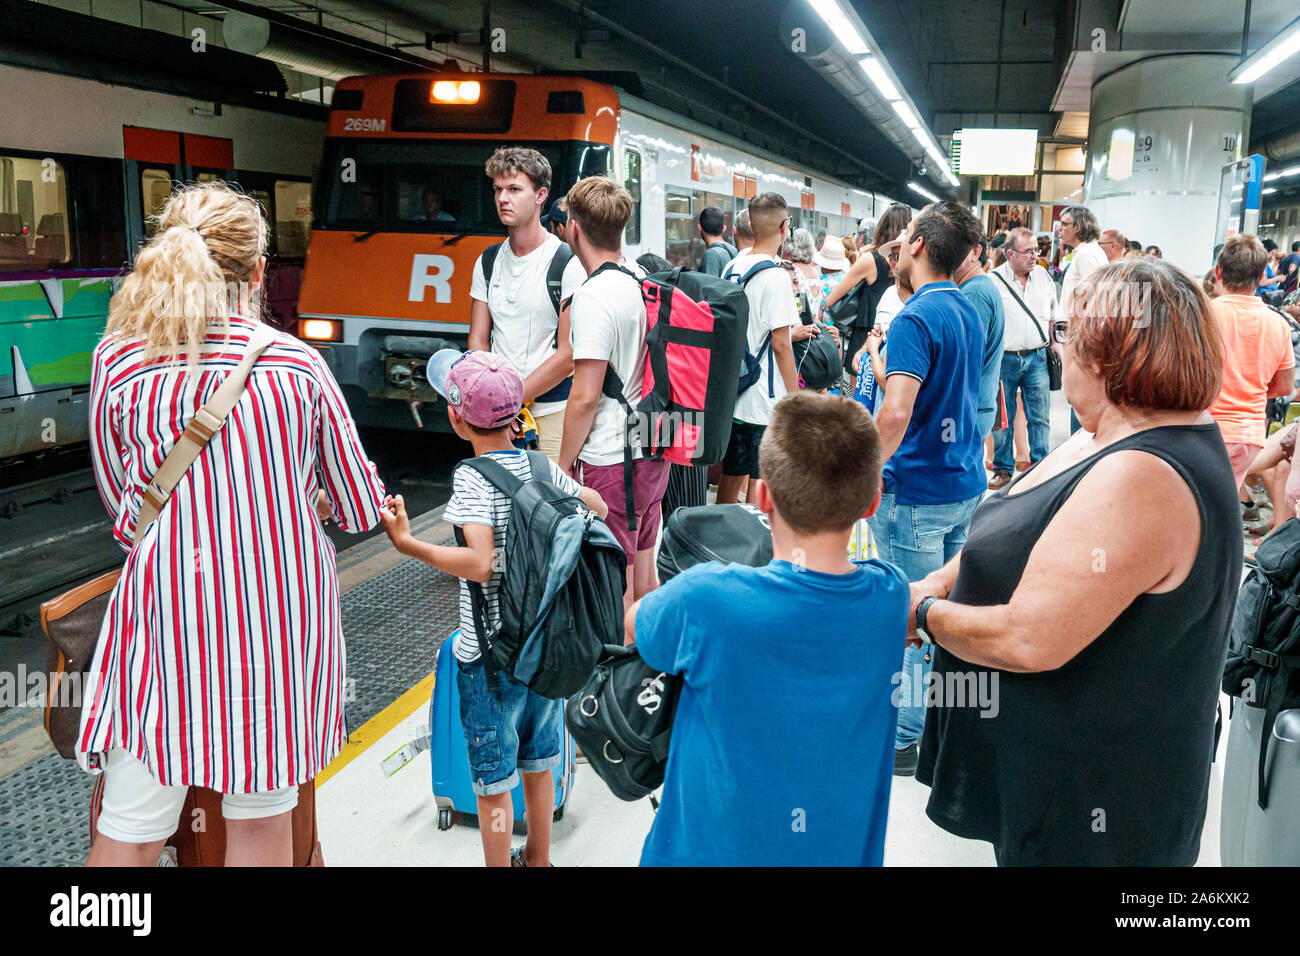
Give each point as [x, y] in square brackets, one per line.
[929, 428]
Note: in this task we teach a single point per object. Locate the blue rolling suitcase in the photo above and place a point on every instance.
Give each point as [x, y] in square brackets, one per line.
[453, 790]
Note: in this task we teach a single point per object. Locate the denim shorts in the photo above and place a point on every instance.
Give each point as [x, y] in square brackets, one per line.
[508, 731]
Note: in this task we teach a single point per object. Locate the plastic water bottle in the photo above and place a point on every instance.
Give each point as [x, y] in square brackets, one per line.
[864, 389]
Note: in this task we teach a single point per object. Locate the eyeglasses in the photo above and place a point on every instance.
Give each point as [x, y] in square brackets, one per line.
[1023, 252]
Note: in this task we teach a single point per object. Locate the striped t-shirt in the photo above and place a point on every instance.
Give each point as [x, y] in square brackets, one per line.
[475, 500]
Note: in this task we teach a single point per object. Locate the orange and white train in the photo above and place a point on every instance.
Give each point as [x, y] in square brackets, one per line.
[403, 208]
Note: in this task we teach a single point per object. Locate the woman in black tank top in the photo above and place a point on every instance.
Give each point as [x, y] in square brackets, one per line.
[1083, 635]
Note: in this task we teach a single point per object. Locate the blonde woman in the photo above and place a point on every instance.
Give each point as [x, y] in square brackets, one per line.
[220, 663]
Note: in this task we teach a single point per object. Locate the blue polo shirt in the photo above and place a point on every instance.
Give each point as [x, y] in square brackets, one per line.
[783, 742]
[937, 338]
[984, 295]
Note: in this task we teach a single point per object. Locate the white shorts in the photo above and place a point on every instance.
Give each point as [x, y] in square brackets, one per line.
[139, 809]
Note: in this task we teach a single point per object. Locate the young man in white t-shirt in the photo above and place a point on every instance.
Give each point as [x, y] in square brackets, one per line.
[514, 315]
[609, 329]
[771, 312]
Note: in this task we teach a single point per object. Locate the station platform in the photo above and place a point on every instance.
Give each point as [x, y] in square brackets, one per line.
[396, 613]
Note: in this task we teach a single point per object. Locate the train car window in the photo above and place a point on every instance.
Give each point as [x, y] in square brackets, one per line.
[678, 228]
[292, 217]
[98, 201]
[632, 182]
[405, 186]
[155, 188]
[33, 214]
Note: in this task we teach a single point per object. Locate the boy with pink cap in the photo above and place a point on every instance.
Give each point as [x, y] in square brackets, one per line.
[515, 731]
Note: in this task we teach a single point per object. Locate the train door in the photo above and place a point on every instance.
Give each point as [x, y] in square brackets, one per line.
[155, 160]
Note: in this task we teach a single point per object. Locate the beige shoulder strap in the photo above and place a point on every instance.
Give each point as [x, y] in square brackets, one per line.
[207, 421]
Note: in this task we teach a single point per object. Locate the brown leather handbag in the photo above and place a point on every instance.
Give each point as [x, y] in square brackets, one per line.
[73, 620]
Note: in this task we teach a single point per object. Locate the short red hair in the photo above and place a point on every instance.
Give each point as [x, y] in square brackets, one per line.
[1146, 327]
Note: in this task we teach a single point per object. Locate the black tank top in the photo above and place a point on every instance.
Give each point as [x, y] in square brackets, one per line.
[1106, 760]
[874, 291]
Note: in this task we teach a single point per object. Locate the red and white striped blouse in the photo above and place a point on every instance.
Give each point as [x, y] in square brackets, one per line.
[221, 659]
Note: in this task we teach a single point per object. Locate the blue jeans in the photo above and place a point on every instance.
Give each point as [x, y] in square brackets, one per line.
[919, 539]
[510, 731]
[1028, 374]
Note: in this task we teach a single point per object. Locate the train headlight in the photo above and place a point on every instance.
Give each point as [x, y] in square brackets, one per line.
[449, 91]
[320, 330]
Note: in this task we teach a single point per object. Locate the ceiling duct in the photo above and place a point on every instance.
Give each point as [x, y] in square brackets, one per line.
[1281, 149]
[298, 49]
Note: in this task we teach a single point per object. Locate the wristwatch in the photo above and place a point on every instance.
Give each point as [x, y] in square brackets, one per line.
[921, 609]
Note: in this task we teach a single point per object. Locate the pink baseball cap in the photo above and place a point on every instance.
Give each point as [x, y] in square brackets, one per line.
[483, 387]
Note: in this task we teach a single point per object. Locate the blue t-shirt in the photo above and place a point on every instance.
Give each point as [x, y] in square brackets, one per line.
[937, 338]
[988, 304]
[783, 742]
[1269, 272]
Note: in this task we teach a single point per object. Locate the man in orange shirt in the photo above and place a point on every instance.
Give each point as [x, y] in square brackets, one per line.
[1258, 363]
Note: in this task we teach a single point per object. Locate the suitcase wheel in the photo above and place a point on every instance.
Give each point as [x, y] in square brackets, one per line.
[558, 814]
[444, 818]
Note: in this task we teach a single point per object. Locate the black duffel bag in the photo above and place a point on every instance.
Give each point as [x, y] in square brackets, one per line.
[730, 534]
[818, 361]
[623, 720]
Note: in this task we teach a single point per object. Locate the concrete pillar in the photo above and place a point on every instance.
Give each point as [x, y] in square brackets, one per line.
[1159, 132]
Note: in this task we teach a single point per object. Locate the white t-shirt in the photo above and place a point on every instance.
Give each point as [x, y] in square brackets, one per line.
[523, 319]
[607, 322]
[475, 500]
[889, 305]
[771, 309]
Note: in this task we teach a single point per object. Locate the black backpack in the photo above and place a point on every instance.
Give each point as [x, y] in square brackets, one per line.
[623, 721]
[1263, 662]
[561, 593]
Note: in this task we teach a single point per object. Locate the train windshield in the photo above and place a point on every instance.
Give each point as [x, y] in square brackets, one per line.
[432, 186]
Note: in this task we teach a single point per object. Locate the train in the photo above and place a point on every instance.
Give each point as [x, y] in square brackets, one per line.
[356, 268]
[384, 286]
[77, 187]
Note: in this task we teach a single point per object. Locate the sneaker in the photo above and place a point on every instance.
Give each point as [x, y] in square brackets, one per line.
[1249, 512]
[905, 761]
[1000, 479]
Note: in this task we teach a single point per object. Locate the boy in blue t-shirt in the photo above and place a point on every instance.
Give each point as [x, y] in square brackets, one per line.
[782, 748]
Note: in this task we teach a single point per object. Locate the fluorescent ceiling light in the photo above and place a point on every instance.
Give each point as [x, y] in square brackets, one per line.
[876, 73]
[923, 191]
[841, 26]
[1282, 173]
[907, 116]
[1269, 190]
[1282, 47]
[921, 137]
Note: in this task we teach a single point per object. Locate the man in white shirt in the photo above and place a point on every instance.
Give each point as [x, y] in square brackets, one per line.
[771, 314]
[1079, 231]
[609, 330]
[1028, 297]
[515, 311]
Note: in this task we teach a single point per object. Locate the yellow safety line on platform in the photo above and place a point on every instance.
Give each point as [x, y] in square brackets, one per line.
[360, 739]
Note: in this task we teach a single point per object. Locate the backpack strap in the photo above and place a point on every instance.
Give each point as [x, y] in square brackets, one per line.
[539, 466]
[752, 271]
[478, 606]
[555, 275]
[490, 261]
[496, 474]
[612, 387]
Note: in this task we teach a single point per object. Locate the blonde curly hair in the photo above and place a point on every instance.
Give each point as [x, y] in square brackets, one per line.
[197, 268]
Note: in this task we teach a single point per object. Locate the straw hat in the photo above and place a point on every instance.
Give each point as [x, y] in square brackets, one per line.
[831, 257]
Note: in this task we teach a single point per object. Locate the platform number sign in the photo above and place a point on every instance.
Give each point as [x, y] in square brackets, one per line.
[1229, 143]
[1142, 144]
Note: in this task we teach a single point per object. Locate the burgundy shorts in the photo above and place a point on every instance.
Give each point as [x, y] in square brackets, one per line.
[649, 481]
